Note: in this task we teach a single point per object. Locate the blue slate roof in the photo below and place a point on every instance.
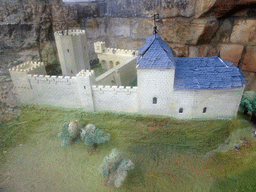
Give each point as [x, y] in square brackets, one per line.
[197, 73]
[155, 54]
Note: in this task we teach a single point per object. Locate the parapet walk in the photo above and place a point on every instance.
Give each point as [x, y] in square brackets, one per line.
[115, 89]
[99, 47]
[29, 66]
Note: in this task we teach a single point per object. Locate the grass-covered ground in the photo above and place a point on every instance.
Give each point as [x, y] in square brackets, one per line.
[169, 155]
[98, 70]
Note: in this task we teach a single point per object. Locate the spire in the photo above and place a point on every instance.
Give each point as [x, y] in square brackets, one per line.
[239, 64]
[156, 16]
[218, 54]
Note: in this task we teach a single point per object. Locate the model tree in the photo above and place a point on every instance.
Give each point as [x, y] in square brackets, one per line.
[69, 132]
[115, 167]
[248, 102]
[91, 136]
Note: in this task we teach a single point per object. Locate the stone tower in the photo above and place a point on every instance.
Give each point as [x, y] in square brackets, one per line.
[155, 76]
[72, 51]
[99, 47]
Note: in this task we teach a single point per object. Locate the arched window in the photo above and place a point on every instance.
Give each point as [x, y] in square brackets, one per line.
[181, 110]
[154, 100]
[103, 64]
[111, 64]
[204, 109]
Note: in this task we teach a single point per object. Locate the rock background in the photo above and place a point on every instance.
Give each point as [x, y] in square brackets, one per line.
[190, 27]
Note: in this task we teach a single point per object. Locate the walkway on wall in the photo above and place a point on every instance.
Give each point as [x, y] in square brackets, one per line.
[121, 75]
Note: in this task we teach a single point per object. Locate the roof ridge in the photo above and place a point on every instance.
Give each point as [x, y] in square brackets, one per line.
[155, 46]
[148, 47]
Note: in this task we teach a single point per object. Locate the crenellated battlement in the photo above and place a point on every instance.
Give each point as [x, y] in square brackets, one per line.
[99, 47]
[28, 66]
[84, 73]
[52, 79]
[123, 52]
[115, 89]
[71, 32]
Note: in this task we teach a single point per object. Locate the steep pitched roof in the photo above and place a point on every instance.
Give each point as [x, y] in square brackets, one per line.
[155, 54]
[197, 73]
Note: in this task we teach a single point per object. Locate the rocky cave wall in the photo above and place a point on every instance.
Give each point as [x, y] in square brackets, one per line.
[191, 27]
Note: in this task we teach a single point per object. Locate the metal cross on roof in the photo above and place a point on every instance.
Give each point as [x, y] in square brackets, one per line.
[156, 16]
[239, 64]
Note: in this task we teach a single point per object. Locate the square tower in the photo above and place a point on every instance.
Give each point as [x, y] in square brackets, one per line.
[155, 73]
[99, 47]
[72, 51]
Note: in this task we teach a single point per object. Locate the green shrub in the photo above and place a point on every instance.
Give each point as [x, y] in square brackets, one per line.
[64, 135]
[90, 135]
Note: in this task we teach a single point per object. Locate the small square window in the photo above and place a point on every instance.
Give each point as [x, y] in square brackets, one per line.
[71, 71]
[181, 110]
[204, 109]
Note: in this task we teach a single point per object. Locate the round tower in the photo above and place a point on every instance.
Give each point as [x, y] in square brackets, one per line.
[72, 51]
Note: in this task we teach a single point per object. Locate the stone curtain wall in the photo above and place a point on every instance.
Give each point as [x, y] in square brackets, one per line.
[119, 99]
[55, 91]
[191, 27]
[20, 80]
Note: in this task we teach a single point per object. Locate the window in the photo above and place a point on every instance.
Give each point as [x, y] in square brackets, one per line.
[117, 63]
[84, 87]
[103, 64]
[67, 50]
[111, 64]
[181, 110]
[204, 109]
[154, 100]
[71, 71]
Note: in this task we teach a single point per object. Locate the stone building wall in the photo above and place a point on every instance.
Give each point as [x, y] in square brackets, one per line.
[206, 104]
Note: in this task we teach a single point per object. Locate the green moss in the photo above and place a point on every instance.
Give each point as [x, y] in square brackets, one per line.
[167, 153]
[193, 136]
[233, 162]
[244, 181]
[98, 70]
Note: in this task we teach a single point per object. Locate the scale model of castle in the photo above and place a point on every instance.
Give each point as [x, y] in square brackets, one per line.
[183, 88]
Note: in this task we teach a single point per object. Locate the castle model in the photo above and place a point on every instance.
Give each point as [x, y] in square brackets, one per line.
[183, 88]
